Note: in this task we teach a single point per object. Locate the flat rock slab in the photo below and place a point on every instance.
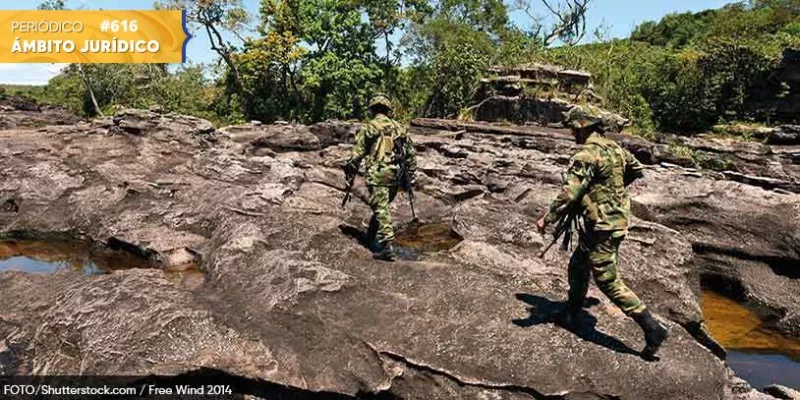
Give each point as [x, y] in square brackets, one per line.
[291, 300]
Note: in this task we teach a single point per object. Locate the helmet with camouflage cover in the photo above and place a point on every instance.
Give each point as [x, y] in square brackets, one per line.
[380, 100]
[580, 117]
[586, 116]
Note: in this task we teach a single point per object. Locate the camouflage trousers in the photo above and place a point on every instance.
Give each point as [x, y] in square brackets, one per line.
[598, 254]
[380, 226]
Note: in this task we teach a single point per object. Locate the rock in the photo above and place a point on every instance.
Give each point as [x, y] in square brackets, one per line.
[764, 182]
[333, 132]
[494, 183]
[295, 305]
[165, 127]
[745, 239]
[521, 110]
[785, 135]
[782, 392]
[22, 112]
[536, 93]
[746, 130]
[136, 121]
[19, 103]
[285, 138]
[292, 137]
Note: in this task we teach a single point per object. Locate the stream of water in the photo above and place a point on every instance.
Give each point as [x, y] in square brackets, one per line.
[758, 354]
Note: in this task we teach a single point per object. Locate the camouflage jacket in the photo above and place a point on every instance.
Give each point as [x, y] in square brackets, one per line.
[596, 183]
[375, 144]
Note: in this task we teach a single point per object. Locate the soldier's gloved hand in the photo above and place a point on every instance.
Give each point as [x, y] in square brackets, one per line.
[541, 224]
[350, 171]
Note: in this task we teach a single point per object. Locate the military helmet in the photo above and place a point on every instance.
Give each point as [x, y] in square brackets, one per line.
[579, 117]
[380, 100]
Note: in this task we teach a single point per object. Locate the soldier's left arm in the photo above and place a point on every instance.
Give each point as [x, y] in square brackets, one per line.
[359, 150]
[579, 177]
[411, 156]
[633, 168]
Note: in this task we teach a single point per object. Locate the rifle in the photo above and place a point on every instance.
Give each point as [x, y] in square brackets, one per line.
[565, 227]
[403, 174]
[348, 191]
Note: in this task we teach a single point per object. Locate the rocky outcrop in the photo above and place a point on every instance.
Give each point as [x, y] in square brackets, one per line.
[746, 239]
[534, 93]
[785, 135]
[289, 137]
[23, 112]
[293, 302]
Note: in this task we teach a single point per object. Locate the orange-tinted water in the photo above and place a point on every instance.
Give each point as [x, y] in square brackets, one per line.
[428, 237]
[760, 355]
[418, 239]
[737, 327]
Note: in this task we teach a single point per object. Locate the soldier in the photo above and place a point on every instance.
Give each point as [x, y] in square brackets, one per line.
[597, 184]
[379, 143]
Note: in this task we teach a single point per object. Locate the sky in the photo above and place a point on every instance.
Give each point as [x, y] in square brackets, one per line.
[621, 16]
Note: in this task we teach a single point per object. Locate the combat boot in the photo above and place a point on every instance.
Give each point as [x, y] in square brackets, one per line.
[655, 333]
[571, 320]
[384, 252]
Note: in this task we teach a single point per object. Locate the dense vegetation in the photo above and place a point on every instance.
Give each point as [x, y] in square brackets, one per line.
[310, 60]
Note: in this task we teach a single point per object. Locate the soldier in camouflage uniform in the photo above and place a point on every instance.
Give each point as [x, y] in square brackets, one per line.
[377, 143]
[597, 182]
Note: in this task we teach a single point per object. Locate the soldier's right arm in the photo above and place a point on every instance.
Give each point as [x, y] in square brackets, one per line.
[579, 177]
[633, 168]
[360, 148]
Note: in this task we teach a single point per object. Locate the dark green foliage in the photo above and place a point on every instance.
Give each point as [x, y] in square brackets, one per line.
[689, 72]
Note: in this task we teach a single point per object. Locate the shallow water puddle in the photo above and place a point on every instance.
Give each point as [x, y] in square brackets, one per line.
[418, 239]
[54, 256]
[758, 354]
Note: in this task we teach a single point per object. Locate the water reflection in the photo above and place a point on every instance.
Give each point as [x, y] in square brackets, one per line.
[757, 353]
[53, 256]
[56, 256]
[418, 239]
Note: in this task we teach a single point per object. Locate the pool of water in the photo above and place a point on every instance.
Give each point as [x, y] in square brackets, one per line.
[53, 256]
[757, 353]
[57, 256]
[418, 239]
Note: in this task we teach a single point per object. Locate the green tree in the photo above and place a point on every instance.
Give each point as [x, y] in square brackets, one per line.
[220, 20]
[51, 5]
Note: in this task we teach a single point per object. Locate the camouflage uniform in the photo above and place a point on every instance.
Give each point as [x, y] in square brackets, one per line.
[599, 174]
[375, 144]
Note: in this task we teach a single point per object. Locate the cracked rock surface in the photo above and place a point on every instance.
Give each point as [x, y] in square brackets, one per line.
[290, 299]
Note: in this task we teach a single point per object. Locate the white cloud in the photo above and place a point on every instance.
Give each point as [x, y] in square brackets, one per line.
[28, 74]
